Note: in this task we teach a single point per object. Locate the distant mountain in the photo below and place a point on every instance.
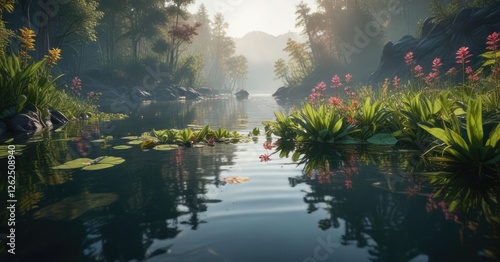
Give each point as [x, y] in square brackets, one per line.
[262, 50]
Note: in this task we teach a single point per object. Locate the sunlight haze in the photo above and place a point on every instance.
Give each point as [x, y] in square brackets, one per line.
[274, 17]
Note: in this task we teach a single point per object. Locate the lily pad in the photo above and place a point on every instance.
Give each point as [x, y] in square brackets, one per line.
[73, 207]
[382, 139]
[102, 140]
[198, 146]
[122, 147]
[97, 167]
[135, 142]
[91, 164]
[130, 137]
[165, 147]
[236, 179]
[73, 164]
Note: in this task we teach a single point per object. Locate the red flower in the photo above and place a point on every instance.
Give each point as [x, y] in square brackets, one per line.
[463, 55]
[336, 82]
[436, 64]
[493, 41]
[395, 82]
[452, 71]
[409, 58]
[335, 101]
[264, 158]
[418, 71]
[469, 70]
[268, 145]
[348, 78]
[321, 86]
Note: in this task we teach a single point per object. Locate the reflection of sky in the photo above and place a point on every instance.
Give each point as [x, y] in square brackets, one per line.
[274, 17]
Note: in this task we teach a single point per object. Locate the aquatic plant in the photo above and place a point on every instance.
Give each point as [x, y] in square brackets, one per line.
[478, 146]
[283, 127]
[91, 164]
[371, 118]
[324, 125]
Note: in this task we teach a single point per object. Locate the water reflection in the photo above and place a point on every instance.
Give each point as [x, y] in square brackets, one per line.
[380, 196]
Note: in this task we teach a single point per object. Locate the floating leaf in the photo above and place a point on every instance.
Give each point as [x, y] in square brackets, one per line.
[8, 141]
[121, 147]
[91, 164]
[236, 179]
[97, 167]
[76, 163]
[113, 160]
[382, 139]
[130, 137]
[102, 140]
[165, 147]
[198, 146]
[73, 207]
[134, 142]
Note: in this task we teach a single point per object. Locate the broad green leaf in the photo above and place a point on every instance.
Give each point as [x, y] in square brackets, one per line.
[97, 167]
[121, 147]
[165, 147]
[113, 160]
[76, 163]
[135, 142]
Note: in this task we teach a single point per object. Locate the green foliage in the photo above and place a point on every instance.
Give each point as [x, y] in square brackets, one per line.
[30, 84]
[372, 117]
[478, 145]
[283, 127]
[323, 124]
[414, 109]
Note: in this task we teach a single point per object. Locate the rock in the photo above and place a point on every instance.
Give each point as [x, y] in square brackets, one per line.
[242, 94]
[166, 93]
[29, 120]
[192, 94]
[57, 118]
[470, 28]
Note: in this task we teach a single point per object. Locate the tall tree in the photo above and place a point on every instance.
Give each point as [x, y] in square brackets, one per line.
[179, 31]
[222, 48]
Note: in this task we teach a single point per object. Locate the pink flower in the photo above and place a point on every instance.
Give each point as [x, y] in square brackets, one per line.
[321, 86]
[268, 145]
[463, 55]
[409, 58]
[473, 78]
[431, 78]
[348, 78]
[335, 101]
[348, 183]
[493, 41]
[418, 71]
[264, 158]
[336, 82]
[452, 71]
[91, 93]
[395, 82]
[436, 64]
[469, 70]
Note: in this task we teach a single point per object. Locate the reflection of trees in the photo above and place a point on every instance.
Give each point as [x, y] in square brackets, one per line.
[392, 223]
[221, 112]
[158, 194]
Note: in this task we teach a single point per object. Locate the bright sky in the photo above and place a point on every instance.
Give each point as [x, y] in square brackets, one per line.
[274, 17]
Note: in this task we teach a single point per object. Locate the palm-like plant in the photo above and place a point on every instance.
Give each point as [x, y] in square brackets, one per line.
[321, 124]
[283, 127]
[413, 110]
[371, 119]
[478, 146]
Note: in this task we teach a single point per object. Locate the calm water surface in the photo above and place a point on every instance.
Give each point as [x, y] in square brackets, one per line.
[367, 204]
